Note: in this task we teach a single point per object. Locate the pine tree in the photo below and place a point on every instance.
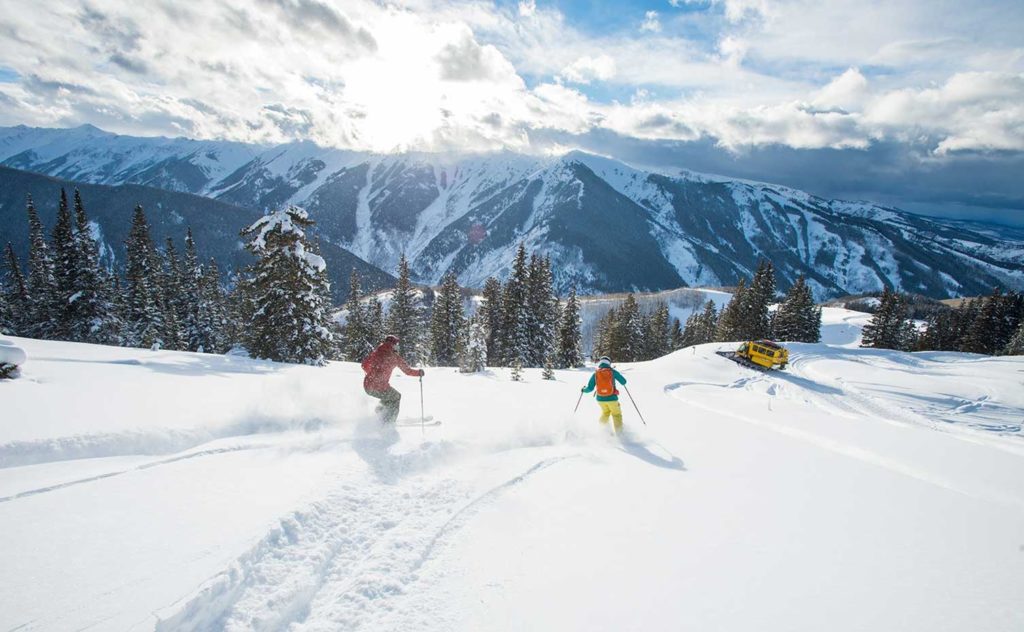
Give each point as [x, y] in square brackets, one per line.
[358, 341]
[569, 354]
[405, 315]
[492, 315]
[676, 335]
[755, 323]
[288, 292]
[798, 318]
[212, 325]
[541, 311]
[65, 270]
[172, 298]
[517, 371]
[93, 317]
[657, 337]
[144, 312]
[603, 339]
[982, 336]
[516, 341]
[889, 327]
[474, 349]
[374, 312]
[627, 335]
[549, 369]
[191, 283]
[1016, 344]
[42, 284]
[730, 322]
[6, 315]
[446, 323]
[16, 290]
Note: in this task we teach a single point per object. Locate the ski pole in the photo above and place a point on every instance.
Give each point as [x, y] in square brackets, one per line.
[422, 414]
[634, 403]
[578, 403]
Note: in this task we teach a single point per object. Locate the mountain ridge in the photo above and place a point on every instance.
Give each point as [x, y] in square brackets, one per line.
[607, 226]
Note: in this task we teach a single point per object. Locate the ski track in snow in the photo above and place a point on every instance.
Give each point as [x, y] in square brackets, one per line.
[345, 556]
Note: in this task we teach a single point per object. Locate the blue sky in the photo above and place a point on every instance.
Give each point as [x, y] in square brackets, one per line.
[917, 103]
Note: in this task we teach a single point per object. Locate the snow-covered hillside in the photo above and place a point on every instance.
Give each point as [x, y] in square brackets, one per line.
[608, 226]
[859, 490]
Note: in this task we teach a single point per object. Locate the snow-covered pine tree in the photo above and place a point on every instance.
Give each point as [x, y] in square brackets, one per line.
[756, 322]
[144, 311]
[405, 315]
[889, 327]
[474, 347]
[14, 286]
[446, 322]
[43, 294]
[541, 310]
[1016, 344]
[215, 320]
[676, 338]
[604, 336]
[65, 271]
[570, 341]
[172, 298]
[982, 336]
[288, 291]
[627, 335]
[374, 312]
[730, 326]
[516, 341]
[657, 337]
[191, 282]
[549, 369]
[517, 371]
[6, 314]
[492, 315]
[358, 341]
[94, 316]
[798, 318]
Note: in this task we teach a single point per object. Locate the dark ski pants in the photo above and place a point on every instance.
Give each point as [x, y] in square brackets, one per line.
[390, 400]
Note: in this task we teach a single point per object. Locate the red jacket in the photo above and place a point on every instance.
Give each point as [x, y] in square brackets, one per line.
[379, 365]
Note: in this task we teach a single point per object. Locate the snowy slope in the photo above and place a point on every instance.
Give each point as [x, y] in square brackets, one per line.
[608, 226]
[861, 490]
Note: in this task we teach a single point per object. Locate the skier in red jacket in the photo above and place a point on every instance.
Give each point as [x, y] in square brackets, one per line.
[377, 383]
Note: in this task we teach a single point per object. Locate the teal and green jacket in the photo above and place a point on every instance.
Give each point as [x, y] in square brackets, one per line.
[592, 384]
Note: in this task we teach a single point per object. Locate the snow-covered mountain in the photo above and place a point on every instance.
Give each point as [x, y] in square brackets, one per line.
[606, 225]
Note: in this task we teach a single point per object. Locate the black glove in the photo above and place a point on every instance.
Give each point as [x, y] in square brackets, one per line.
[422, 373]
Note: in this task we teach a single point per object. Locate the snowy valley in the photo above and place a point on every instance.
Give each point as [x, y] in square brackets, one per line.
[860, 489]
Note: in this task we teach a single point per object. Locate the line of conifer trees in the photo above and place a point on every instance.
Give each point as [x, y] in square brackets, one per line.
[628, 334]
[159, 300]
[991, 325]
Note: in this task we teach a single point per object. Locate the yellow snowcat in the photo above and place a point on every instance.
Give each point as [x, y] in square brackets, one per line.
[759, 354]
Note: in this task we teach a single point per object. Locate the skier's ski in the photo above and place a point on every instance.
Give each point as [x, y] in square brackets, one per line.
[428, 421]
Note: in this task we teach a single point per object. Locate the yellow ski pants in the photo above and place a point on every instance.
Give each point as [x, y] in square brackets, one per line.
[613, 410]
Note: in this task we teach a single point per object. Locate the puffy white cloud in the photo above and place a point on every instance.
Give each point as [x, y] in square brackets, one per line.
[527, 8]
[587, 69]
[847, 91]
[651, 22]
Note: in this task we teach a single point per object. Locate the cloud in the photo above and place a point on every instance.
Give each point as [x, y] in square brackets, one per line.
[651, 22]
[527, 8]
[587, 69]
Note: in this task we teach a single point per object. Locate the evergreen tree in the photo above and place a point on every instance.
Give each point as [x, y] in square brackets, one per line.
[549, 369]
[516, 341]
[144, 311]
[798, 318]
[192, 275]
[288, 292]
[889, 327]
[374, 312]
[474, 349]
[676, 338]
[359, 341]
[755, 322]
[446, 323]
[172, 298]
[212, 326]
[569, 353]
[42, 284]
[702, 326]
[731, 327]
[93, 317]
[405, 315]
[541, 310]
[627, 334]
[492, 315]
[65, 271]
[517, 371]
[6, 315]
[16, 289]
[985, 334]
[657, 337]
[1016, 344]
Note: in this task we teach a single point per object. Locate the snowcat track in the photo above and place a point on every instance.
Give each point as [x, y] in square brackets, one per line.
[738, 359]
